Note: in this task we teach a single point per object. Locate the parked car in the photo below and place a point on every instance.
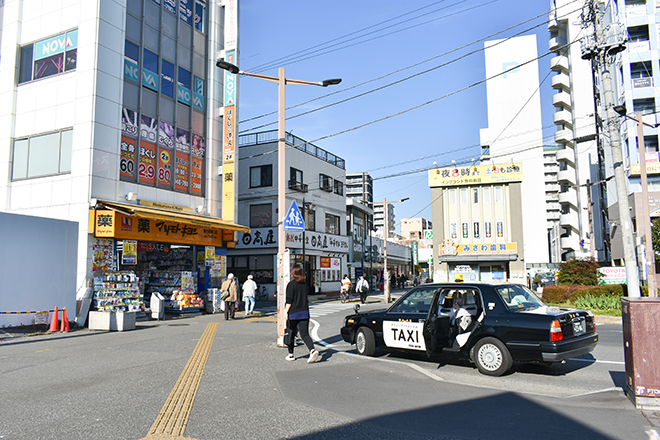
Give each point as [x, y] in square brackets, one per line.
[493, 325]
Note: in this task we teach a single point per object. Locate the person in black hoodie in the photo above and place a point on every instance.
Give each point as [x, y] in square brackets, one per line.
[297, 310]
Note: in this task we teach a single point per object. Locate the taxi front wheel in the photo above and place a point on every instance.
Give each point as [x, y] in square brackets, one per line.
[492, 357]
[365, 342]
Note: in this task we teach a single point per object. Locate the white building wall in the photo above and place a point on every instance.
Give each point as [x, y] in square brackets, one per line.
[514, 132]
[89, 100]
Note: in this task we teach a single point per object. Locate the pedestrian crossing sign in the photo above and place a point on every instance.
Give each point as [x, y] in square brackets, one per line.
[294, 219]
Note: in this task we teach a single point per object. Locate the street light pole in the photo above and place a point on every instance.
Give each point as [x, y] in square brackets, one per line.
[281, 81]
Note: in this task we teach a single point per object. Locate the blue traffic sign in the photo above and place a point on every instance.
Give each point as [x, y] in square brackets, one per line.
[294, 219]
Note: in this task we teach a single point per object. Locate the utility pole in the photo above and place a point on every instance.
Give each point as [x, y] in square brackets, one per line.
[602, 51]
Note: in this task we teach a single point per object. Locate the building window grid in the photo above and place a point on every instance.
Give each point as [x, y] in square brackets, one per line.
[42, 155]
[195, 162]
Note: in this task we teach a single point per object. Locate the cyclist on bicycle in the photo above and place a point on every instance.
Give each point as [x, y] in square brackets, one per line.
[345, 286]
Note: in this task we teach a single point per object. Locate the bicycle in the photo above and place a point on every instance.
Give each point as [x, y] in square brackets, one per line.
[345, 296]
[261, 294]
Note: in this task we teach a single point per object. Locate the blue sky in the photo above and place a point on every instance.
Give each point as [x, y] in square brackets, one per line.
[271, 32]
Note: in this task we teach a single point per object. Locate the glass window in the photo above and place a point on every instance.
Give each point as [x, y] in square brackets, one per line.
[310, 218]
[43, 155]
[452, 196]
[48, 57]
[261, 215]
[339, 188]
[296, 175]
[170, 6]
[20, 159]
[500, 229]
[167, 78]
[66, 144]
[498, 194]
[464, 196]
[25, 66]
[476, 229]
[183, 86]
[466, 230]
[261, 176]
[519, 297]
[150, 70]
[131, 61]
[475, 195]
[487, 227]
[417, 301]
[200, 16]
[332, 224]
[185, 11]
[486, 194]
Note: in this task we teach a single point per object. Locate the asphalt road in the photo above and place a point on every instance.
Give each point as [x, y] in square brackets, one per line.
[102, 385]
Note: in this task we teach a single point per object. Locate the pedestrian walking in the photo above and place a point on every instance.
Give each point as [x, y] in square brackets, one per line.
[229, 286]
[249, 287]
[363, 288]
[297, 310]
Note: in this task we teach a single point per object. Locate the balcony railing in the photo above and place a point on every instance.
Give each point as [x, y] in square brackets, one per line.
[270, 136]
[298, 186]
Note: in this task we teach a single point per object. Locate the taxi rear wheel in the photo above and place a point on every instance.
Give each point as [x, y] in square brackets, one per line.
[365, 342]
[492, 357]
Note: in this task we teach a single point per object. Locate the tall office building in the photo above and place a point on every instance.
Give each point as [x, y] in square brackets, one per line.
[379, 220]
[110, 116]
[360, 187]
[514, 133]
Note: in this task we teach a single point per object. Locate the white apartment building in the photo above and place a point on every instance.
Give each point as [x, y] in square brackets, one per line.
[360, 187]
[109, 117]
[578, 151]
[379, 220]
[514, 132]
[315, 181]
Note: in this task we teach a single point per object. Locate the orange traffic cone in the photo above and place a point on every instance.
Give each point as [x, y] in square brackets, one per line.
[53, 322]
[65, 321]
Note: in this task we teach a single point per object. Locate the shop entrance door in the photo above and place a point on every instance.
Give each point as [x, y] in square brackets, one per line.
[309, 266]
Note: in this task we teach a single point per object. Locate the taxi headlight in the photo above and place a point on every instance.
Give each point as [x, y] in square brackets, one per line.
[349, 322]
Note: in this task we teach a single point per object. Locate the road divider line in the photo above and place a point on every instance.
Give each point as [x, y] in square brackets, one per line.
[315, 334]
[596, 361]
[173, 417]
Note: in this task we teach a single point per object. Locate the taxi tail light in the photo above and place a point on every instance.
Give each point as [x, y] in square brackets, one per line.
[555, 331]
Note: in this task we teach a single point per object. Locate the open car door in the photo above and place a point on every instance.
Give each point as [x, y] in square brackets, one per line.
[436, 325]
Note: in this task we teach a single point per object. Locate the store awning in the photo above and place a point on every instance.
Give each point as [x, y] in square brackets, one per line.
[134, 222]
[161, 214]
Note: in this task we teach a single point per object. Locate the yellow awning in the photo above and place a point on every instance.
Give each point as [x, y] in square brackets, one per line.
[163, 215]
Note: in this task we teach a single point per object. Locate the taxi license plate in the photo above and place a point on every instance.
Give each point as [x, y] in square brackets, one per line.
[579, 327]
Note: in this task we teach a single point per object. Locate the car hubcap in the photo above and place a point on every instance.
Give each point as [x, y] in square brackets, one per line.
[360, 342]
[490, 357]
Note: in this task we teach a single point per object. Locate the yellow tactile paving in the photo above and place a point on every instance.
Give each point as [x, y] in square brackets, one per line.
[173, 417]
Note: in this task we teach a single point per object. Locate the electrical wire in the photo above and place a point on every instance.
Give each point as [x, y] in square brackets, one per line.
[415, 65]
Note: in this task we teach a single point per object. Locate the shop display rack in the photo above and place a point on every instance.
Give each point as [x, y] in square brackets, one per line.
[117, 292]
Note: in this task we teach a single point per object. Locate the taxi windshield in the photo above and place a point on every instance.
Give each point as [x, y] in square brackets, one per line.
[519, 297]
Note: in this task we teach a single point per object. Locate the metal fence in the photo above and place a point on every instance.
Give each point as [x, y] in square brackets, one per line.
[266, 137]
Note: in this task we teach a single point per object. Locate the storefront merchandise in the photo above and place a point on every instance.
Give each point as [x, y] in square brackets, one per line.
[117, 292]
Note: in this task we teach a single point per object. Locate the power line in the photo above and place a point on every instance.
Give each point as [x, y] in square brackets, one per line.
[284, 58]
[399, 70]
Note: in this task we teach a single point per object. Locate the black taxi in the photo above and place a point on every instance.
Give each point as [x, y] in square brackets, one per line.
[493, 325]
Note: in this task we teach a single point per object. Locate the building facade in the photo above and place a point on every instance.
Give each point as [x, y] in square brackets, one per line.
[110, 119]
[379, 220]
[315, 182]
[514, 132]
[580, 155]
[360, 187]
[478, 218]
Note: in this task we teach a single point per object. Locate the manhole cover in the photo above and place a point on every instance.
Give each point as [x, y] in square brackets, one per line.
[176, 325]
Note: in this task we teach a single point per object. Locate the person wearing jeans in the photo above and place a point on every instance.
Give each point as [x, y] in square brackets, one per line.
[249, 287]
[297, 310]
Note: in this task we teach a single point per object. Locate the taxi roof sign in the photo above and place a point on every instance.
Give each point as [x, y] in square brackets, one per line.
[294, 220]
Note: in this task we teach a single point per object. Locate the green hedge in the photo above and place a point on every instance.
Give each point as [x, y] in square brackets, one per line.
[598, 302]
[569, 293]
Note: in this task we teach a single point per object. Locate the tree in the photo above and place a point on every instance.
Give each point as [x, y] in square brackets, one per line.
[655, 238]
[583, 272]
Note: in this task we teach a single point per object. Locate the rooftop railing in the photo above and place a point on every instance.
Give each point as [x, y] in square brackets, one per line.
[270, 136]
